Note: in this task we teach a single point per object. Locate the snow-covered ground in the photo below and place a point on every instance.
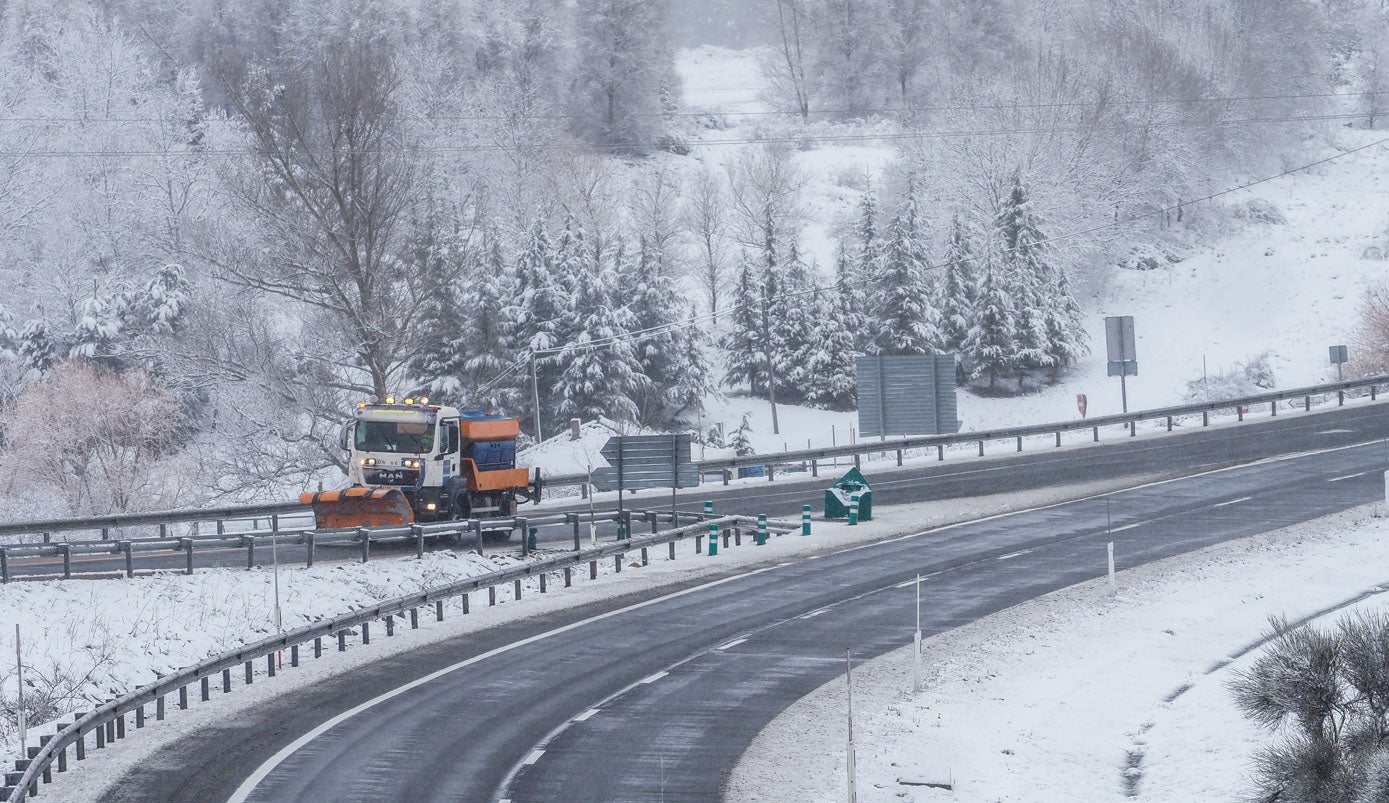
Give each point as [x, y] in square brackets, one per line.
[108, 637]
[1079, 695]
[1291, 289]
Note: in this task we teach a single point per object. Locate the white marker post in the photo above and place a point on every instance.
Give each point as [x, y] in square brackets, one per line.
[275, 572]
[853, 790]
[23, 718]
[916, 652]
[1112, 589]
[1386, 487]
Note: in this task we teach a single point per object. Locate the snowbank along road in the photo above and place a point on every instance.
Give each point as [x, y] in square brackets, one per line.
[657, 697]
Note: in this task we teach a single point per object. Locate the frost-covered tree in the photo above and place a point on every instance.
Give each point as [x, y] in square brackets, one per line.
[37, 348]
[827, 358]
[623, 61]
[990, 349]
[791, 318]
[847, 47]
[1029, 274]
[601, 373]
[958, 288]
[745, 342]
[907, 320]
[537, 315]
[741, 442]
[666, 344]
[97, 333]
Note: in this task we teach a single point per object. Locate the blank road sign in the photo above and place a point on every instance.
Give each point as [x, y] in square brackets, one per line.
[1119, 339]
[1339, 354]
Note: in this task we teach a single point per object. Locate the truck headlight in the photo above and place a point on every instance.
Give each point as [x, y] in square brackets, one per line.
[411, 463]
[368, 461]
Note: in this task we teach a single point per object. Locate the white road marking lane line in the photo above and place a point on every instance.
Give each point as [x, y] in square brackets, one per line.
[1012, 555]
[653, 678]
[732, 644]
[585, 715]
[1128, 526]
[1348, 477]
[1234, 501]
[533, 757]
[244, 790]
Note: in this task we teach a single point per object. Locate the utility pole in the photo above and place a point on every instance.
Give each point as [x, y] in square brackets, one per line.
[771, 365]
[535, 399]
[23, 718]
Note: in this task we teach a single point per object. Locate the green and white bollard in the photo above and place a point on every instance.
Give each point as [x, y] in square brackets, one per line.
[805, 519]
[853, 510]
[762, 529]
[708, 509]
[713, 540]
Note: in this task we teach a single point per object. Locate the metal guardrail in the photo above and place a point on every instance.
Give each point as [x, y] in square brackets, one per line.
[362, 537]
[108, 721]
[810, 457]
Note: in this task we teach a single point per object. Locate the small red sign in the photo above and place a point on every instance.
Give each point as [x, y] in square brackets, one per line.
[1080, 403]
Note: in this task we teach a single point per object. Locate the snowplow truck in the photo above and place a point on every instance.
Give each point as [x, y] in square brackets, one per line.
[415, 462]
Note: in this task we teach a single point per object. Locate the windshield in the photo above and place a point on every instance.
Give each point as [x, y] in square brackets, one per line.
[395, 436]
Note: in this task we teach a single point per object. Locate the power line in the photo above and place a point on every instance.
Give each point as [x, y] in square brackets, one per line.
[554, 145]
[879, 110]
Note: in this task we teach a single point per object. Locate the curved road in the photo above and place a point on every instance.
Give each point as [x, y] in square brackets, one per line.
[656, 697]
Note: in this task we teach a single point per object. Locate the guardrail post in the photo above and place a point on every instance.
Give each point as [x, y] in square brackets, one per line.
[342, 641]
[805, 519]
[63, 757]
[1340, 398]
[981, 453]
[159, 708]
[727, 476]
[1169, 423]
[364, 536]
[644, 560]
[105, 533]
[120, 730]
[516, 589]
[390, 626]
[593, 570]
[294, 651]
[226, 673]
[1205, 418]
[771, 472]
[366, 632]
[1239, 412]
[1273, 405]
[81, 744]
[543, 575]
[249, 541]
[249, 676]
[617, 563]
[183, 698]
[568, 576]
[139, 723]
[318, 648]
[651, 519]
[187, 544]
[163, 530]
[1058, 439]
[713, 540]
[814, 467]
[1373, 388]
[100, 737]
[309, 538]
[438, 610]
[1133, 428]
[491, 596]
[66, 551]
[737, 535]
[270, 664]
[1307, 403]
[940, 452]
[524, 524]
[476, 526]
[129, 559]
[856, 462]
[899, 462]
[4, 567]
[414, 618]
[672, 550]
[853, 509]
[762, 529]
[1097, 434]
[899, 452]
[572, 519]
[205, 688]
[418, 531]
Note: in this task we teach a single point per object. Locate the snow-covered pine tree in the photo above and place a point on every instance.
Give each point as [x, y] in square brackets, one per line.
[989, 348]
[623, 61]
[827, 359]
[741, 442]
[601, 374]
[437, 361]
[1027, 274]
[164, 300]
[906, 320]
[689, 387]
[792, 319]
[37, 348]
[482, 342]
[848, 294]
[1067, 341]
[97, 333]
[9, 338]
[746, 357]
[958, 288]
[670, 354]
[535, 318]
[862, 272]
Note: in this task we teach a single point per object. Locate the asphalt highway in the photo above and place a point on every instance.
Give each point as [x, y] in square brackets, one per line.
[655, 697]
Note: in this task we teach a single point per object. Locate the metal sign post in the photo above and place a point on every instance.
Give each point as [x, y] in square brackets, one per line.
[1121, 348]
[23, 717]
[1339, 357]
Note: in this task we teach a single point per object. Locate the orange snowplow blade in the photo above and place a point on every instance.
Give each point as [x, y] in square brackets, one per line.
[359, 507]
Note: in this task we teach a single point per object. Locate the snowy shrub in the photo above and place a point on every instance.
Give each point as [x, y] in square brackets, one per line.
[742, 438]
[1258, 210]
[1148, 256]
[1254, 375]
[1370, 343]
[1325, 696]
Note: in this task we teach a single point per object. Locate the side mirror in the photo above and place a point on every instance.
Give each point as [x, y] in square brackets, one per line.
[345, 438]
